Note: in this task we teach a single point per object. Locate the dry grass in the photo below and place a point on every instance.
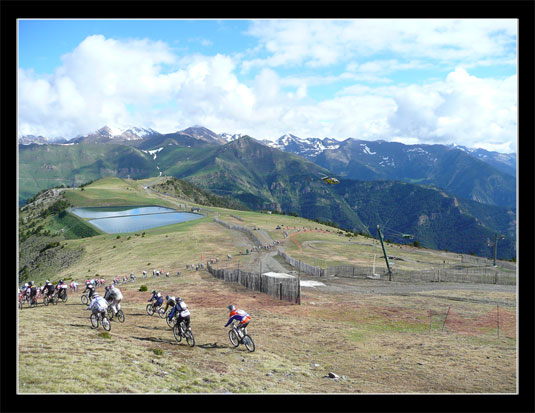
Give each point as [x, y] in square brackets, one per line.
[380, 347]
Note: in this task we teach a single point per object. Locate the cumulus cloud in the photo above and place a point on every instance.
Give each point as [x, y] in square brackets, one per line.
[463, 109]
[325, 42]
[144, 83]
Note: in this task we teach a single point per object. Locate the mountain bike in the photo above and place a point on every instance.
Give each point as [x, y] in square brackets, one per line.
[62, 295]
[119, 315]
[100, 317]
[171, 322]
[50, 299]
[85, 299]
[151, 309]
[238, 337]
[162, 313]
[22, 299]
[180, 330]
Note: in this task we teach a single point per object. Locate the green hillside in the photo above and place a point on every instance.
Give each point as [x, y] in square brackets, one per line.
[261, 178]
[247, 174]
[46, 166]
[436, 220]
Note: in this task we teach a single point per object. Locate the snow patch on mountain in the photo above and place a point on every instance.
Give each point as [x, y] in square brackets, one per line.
[367, 150]
[152, 152]
[231, 137]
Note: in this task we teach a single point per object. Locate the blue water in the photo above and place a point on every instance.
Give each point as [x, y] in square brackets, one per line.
[113, 220]
[108, 212]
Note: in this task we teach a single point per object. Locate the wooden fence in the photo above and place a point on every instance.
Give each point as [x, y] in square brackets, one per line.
[257, 241]
[301, 266]
[283, 288]
[476, 274]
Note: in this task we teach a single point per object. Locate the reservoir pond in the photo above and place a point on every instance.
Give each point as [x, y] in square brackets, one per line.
[113, 220]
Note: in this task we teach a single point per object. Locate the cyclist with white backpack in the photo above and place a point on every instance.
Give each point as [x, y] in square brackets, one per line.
[183, 313]
[156, 295]
[114, 296]
[171, 302]
[99, 305]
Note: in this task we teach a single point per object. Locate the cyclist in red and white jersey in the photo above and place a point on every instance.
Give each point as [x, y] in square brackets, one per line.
[238, 315]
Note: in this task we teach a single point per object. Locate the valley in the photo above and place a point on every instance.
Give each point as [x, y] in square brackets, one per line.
[373, 336]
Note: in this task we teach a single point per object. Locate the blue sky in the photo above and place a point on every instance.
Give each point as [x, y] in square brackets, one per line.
[420, 81]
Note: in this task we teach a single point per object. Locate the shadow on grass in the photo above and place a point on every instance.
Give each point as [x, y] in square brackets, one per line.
[81, 325]
[154, 340]
[208, 346]
[155, 328]
[138, 314]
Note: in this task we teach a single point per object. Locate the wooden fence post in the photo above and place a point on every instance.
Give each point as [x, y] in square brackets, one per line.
[446, 318]
[280, 291]
[498, 319]
[298, 301]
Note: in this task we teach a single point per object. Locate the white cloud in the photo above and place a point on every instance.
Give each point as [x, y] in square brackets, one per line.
[101, 77]
[462, 109]
[324, 42]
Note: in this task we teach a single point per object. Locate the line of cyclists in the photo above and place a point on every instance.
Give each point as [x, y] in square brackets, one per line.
[113, 297]
[181, 310]
[30, 292]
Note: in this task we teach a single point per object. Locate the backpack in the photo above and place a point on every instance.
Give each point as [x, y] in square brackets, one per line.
[101, 304]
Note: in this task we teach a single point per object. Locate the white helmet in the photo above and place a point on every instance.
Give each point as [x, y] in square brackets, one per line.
[231, 307]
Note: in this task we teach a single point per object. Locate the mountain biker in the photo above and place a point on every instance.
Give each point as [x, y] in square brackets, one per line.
[61, 289]
[132, 276]
[33, 292]
[114, 297]
[91, 288]
[48, 289]
[239, 315]
[74, 286]
[183, 313]
[24, 288]
[98, 304]
[158, 297]
[171, 301]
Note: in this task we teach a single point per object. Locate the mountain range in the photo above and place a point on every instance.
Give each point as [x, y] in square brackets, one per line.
[446, 197]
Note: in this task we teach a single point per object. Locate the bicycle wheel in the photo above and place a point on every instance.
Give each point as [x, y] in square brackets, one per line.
[85, 299]
[170, 322]
[65, 297]
[189, 338]
[176, 333]
[161, 312]
[94, 321]
[45, 301]
[20, 304]
[233, 336]
[55, 300]
[150, 309]
[249, 343]
[110, 313]
[120, 316]
[106, 323]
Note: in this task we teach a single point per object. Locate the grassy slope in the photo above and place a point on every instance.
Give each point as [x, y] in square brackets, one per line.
[78, 164]
[376, 351]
